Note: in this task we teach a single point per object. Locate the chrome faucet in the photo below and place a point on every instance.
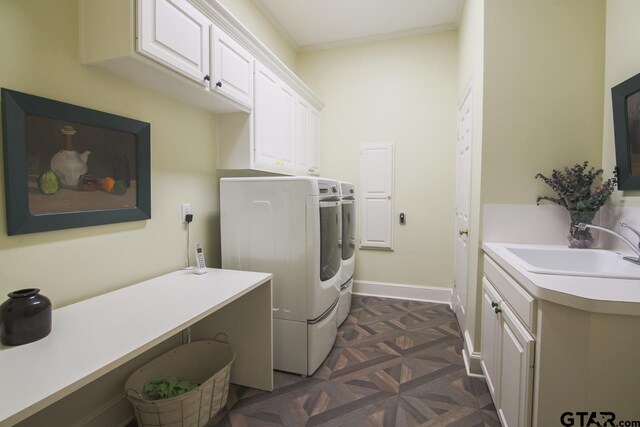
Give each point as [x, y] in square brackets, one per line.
[636, 248]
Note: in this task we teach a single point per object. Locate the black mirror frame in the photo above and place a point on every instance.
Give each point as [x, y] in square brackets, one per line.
[15, 108]
[619, 95]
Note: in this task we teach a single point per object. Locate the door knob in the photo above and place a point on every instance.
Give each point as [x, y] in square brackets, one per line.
[463, 231]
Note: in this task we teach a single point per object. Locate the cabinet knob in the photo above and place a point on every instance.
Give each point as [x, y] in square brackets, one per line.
[494, 304]
[207, 78]
[497, 310]
[463, 231]
[219, 84]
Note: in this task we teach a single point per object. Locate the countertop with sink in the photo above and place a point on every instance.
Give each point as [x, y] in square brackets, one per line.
[593, 280]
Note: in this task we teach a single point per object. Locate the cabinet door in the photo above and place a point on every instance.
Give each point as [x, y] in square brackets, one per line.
[516, 378]
[267, 117]
[232, 68]
[314, 141]
[176, 34]
[491, 336]
[288, 101]
[302, 165]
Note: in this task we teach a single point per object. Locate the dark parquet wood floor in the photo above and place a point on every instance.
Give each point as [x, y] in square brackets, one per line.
[394, 363]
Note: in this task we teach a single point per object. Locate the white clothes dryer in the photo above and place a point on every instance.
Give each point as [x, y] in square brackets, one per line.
[289, 226]
[348, 244]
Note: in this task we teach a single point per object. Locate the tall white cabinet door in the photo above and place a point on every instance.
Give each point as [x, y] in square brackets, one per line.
[314, 141]
[288, 101]
[376, 181]
[267, 117]
[232, 68]
[491, 334]
[302, 165]
[516, 381]
[175, 33]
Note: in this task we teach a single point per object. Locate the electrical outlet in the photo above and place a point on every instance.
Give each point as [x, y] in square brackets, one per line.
[186, 209]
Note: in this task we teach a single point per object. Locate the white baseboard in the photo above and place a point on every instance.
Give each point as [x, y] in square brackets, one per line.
[401, 291]
[116, 412]
[471, 358]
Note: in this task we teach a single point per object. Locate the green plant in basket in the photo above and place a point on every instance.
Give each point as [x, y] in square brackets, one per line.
[164, 388]
[582, 191]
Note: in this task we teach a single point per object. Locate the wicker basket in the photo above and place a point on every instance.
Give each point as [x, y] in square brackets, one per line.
[207, 363]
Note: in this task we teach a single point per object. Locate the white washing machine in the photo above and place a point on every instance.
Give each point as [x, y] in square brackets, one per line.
[348, 243]
[289, 226]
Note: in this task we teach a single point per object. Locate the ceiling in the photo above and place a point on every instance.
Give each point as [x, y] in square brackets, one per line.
[317, 24]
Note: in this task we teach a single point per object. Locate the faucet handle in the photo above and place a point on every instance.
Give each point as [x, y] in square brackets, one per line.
[636, 232]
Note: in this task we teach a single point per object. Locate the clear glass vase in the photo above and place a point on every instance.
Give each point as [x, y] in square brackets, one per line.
[580, 238]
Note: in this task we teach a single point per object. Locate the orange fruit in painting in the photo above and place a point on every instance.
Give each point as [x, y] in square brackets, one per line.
[108, 183]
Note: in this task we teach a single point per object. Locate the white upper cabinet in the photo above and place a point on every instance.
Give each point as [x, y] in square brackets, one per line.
[275, 122]
[267, 118]
[288, 101]
[232, 68]
[303, 111]
[307, 142]
[176, 34]
[314, 142]
[198, 53]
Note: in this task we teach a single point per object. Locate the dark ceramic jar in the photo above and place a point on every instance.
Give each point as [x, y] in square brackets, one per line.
[25, 317]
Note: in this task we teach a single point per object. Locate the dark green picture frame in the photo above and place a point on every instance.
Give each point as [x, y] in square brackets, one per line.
[16, 106]
[626, 127]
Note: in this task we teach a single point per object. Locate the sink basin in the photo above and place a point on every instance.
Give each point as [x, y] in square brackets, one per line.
[564, 261]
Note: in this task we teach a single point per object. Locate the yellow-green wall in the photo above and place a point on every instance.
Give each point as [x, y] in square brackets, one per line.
[401, 90]
[247, 13]
[622, 62]
[39, 45]
[543, 74]
[543, 77]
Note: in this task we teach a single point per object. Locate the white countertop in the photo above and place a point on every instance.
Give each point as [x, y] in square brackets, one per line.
[92, 337]
[594, 294]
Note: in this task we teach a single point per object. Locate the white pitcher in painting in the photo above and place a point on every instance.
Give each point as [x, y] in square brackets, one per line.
[68, 164]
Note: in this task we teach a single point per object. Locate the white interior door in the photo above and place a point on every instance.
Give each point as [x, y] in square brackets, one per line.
[463, 203]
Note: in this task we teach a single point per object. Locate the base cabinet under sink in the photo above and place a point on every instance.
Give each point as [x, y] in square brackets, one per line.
[507, 359]
[546, 362]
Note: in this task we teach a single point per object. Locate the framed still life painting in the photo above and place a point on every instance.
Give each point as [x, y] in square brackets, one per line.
[625, 99]
[67, 166]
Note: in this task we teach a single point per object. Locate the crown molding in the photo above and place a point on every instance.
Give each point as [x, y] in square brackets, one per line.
[262, 7]
[380, 37]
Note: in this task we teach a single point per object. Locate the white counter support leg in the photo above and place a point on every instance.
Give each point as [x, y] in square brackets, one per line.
[248, 322]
